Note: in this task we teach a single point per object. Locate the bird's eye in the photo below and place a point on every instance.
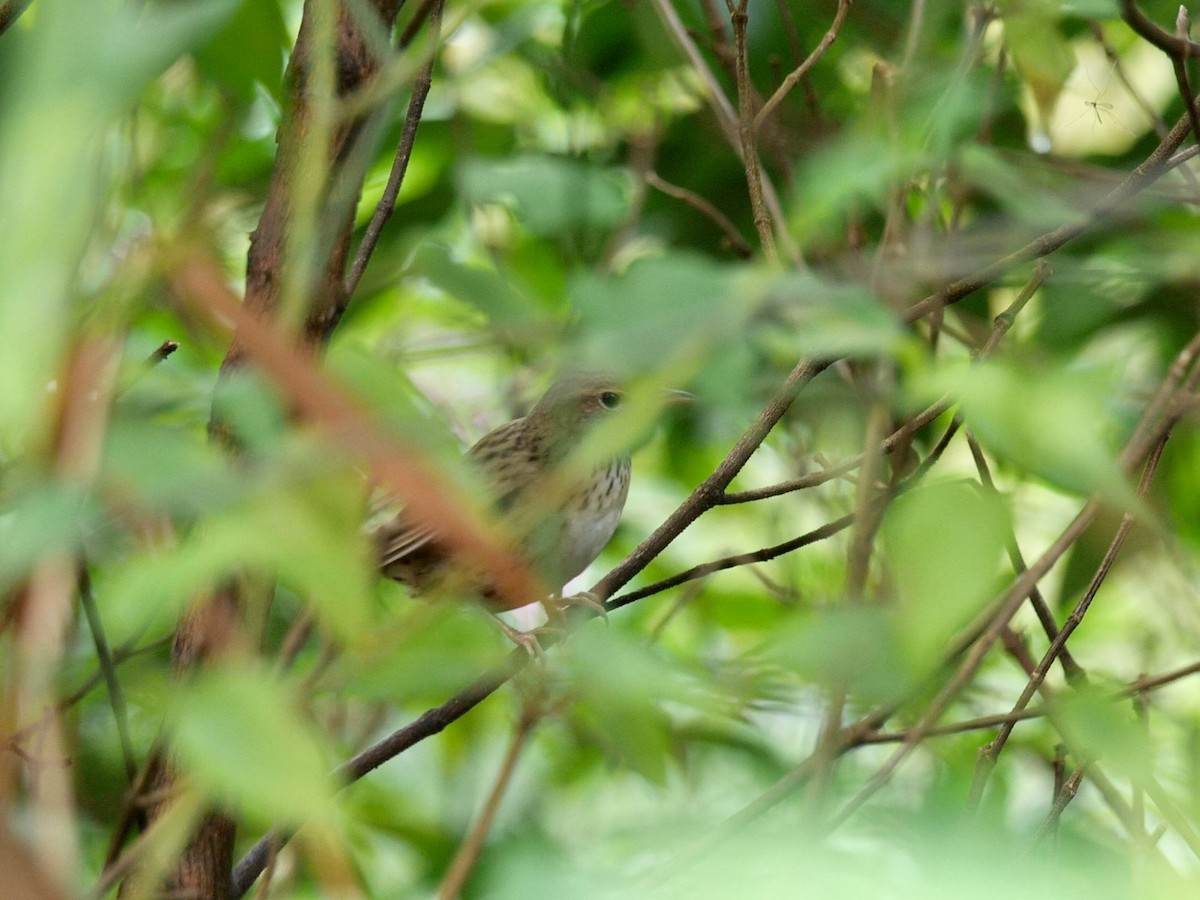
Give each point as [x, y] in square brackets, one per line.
[610, 399]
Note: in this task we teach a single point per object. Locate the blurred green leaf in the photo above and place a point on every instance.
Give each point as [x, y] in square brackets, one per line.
[944, 545]
[657, 310]
[620, 687]
[238, 733]
[1052, 422]
[1039, 51]
[46, 517]
[855, 646]
[248, 51]
[305, 532]
[427, 655]
[551, 195]
[66, 80]
[1107, 731]
[478, 285]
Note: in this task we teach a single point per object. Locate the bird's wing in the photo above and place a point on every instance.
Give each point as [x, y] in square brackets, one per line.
[400, 538]
[510, 459]
[508, 463]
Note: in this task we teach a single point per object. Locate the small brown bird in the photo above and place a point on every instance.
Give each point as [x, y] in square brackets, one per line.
[557, 518]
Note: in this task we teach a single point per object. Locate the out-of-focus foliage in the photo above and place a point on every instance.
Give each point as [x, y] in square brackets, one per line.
[549, 217]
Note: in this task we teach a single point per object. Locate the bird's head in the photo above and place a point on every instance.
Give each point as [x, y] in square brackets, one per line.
[575, 400]
[579, 402]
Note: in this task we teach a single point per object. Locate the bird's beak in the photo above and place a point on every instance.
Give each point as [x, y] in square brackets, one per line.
[673, 397]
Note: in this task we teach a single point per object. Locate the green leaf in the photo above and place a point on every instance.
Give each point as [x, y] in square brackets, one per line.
[238, 734]
[478, 285]
[1107, 730]
[1040, 53]
[826, 319]
[306, 532]
[657, 310]
[854, 646]
[1052, 422]
[551, 194]
[621, 687]
[67, 80]
[944, 544]
[248, 51]
[44, 518]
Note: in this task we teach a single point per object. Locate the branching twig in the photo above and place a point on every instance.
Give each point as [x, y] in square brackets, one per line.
[1158, 162]
[694, 200]
[1143, 444]
[793, 78]
[408, 136]
[1059, 642]
[727, 119]
[1174, 46]
[1064, 796]
[746, 133]
[1179, 64]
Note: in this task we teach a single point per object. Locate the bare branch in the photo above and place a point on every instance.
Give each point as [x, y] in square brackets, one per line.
[794, 77]
[408, 136]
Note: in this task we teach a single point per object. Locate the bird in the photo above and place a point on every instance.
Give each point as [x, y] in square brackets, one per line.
[558, 511]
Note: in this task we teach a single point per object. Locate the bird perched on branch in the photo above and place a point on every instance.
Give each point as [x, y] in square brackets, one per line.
[558, 511]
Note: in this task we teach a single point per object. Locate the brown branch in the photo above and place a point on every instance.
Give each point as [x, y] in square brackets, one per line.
[793, 78]
[746, 134]
[314, 183]
[472, 845]
[694, 200]
[10, 11]
[432, 722]
[1005, 609]
[1174, 46]
[408, 136]
[727, 120]
[1001, 325]
[1076, 617]
[1065, 795]
[1158, 162]
[730, 562]
[1179, 64]
[899, 438]
[1071, 669]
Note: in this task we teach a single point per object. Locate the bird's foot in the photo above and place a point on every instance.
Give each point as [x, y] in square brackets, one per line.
[526, 640]
[585, 599]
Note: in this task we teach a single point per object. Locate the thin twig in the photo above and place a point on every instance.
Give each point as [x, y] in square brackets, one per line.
[468, 852]
[1081, 608]
[1179, 64]
[793, 78]
[108, 668]
[408, 136]
[1064, 796]
[746, 134]
[727, 119]
[694, 200]
[1158, 162]
[1071, 669]
[1005, 609]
